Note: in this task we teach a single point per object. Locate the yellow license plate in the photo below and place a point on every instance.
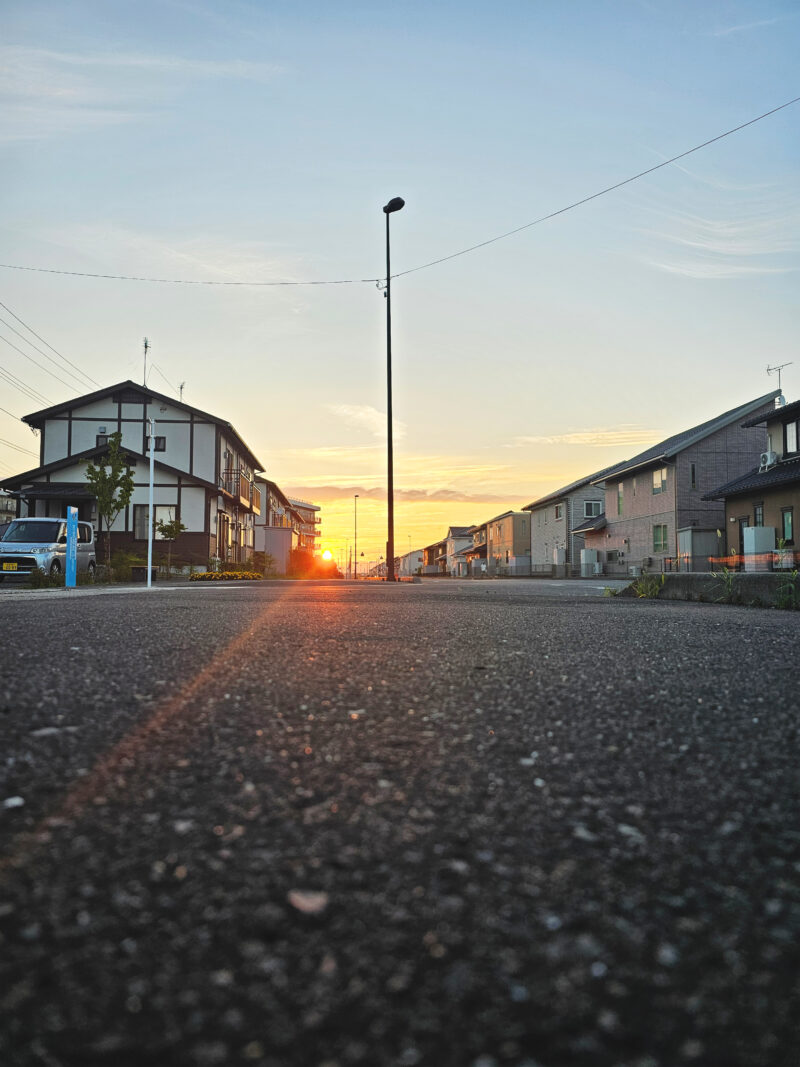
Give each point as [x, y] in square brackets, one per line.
[9, 566]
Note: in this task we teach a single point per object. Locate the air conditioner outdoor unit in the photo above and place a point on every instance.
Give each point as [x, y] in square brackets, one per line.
[768, 459]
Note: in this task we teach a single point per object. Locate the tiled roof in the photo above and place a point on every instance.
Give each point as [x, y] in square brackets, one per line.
[775, 413]
[784, 473]
[596, 523]
[559, 494]
[679, 441]
[38, 418]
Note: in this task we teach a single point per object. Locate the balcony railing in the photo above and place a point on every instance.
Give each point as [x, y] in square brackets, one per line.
[255, 498]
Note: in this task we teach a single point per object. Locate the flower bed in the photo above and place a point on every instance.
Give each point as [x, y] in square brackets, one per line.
[226, 576]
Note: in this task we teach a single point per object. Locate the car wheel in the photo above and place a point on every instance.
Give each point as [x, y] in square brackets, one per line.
[55, 569]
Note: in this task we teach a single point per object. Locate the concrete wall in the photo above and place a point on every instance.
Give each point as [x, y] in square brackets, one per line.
[755, 590]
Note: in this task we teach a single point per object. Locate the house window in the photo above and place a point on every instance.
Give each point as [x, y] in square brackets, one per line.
[758, 514]
[619, 498]
[161, 444]
[660, 537]
[660, 481]
[559, 511]
[101, 440]
[592, 508]
[790, 436]
[787, 525]
[692, 475]
[141, 512]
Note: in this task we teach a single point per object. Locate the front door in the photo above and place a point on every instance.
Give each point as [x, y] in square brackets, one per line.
[743, 524]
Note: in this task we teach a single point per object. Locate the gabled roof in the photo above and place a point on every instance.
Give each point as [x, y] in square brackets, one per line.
[559, 494]
[787, 411]
[29, 477]
[668, 449]
[459, 531]
[785, 473]
[38, 418]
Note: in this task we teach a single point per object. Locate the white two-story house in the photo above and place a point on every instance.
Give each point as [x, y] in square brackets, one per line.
[203, 470]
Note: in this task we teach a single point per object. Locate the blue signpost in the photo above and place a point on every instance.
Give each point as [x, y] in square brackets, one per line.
[72, 547]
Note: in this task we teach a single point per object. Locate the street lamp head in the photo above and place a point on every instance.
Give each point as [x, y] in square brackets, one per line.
[394, 205]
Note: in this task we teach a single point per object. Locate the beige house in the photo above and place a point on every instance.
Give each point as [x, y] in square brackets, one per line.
[557, 522]
[508, 544]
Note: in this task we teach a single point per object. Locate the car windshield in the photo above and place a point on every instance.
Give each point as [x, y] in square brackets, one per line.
[42, 532]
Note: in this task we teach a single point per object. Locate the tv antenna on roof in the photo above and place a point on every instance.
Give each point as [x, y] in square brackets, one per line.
[146, 347]
[777, 370]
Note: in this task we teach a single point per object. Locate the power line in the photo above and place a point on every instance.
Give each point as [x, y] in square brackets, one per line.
[157, 369]
[602, 192]
[21, 387]
[38, 338]
[186, 281]
[15, 417]
[41, 353]
[434, 262]
[39, 365]
[17, 448]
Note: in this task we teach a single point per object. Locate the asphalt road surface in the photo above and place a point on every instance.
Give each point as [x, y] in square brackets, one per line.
[470, 824]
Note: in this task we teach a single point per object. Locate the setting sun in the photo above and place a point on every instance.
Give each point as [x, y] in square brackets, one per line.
[327, 555]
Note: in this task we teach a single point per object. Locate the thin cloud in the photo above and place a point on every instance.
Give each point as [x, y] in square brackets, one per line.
[154, 254]
[599, 438]
[31, 65]
[366, 417]
[744, 27]
[717, 271]
[48, 93]
[326, 494]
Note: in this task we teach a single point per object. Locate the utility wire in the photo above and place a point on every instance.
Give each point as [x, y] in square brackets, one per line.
[15, 417]
[434, 262]
[52, 349]
[39, 365]
[21, 387]
[594, 196]
[41, 352]
[17, 448]
[157, 369]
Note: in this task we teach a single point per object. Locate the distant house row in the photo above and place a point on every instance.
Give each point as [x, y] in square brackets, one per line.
[726, 490]
[205, 476]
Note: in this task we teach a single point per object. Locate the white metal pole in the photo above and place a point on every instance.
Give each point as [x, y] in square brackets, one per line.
[150, 512]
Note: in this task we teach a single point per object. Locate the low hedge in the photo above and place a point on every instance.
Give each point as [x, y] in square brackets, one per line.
[226, 576]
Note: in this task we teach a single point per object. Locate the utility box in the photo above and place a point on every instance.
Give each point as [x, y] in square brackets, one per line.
[759, 546]
[589, 563]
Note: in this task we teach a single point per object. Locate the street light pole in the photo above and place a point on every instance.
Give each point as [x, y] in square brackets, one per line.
[394, 205]
[355, 525]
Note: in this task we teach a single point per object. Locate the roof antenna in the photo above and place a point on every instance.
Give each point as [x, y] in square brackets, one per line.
[146, 347]
[180, 387]
[779, 400]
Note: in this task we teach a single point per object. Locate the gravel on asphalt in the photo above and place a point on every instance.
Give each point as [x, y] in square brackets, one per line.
[466, 824]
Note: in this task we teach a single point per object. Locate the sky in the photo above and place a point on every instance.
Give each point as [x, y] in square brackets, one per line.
[257, 142]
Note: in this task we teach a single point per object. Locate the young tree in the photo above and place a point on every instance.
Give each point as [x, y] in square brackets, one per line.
[169, 532]
[111, 483]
